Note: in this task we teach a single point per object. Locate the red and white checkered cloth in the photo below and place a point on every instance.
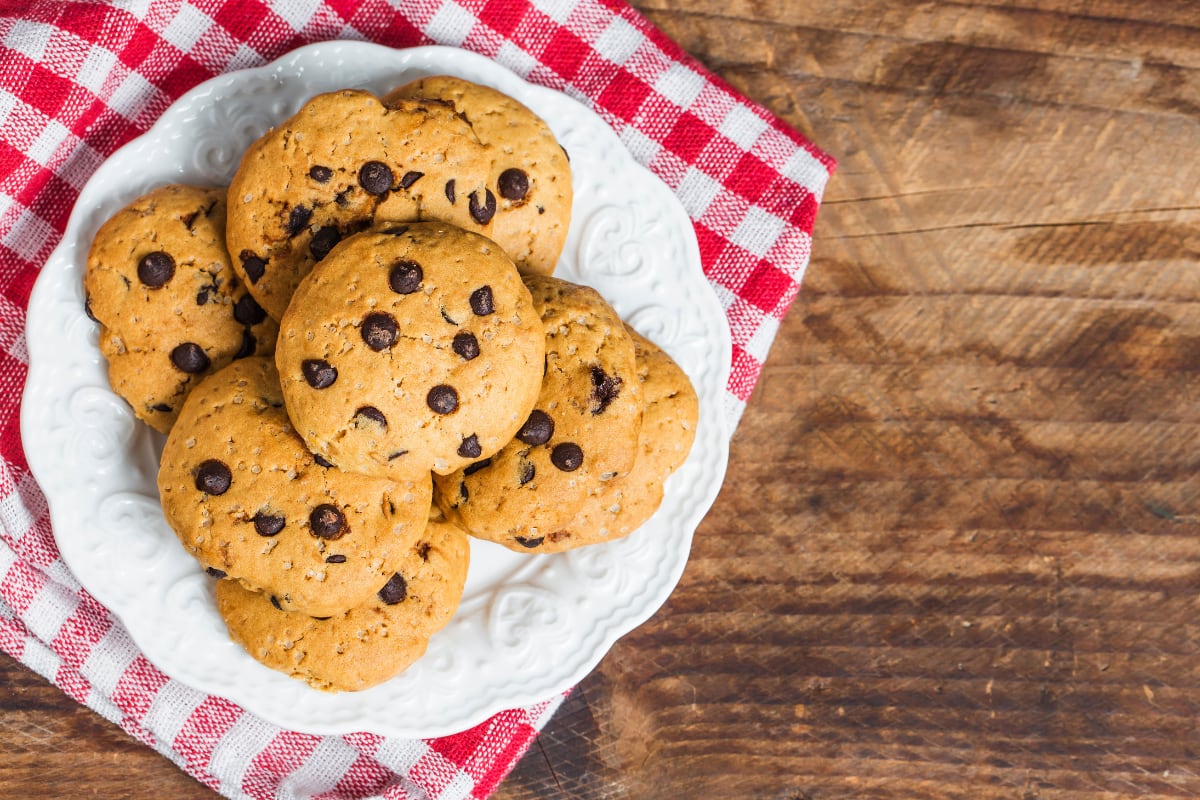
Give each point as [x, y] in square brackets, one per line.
[77, 80]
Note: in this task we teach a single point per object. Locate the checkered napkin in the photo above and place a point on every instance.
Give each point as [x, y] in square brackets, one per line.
[77, 80]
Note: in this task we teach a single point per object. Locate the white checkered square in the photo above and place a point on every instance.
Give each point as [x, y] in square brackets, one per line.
[108, 659]
[40, 659]
[47, 142]
[807, 171]
[296, 13]
[28, 235]
[518, 60]
[133, 94]
[758, 231]
[697, 191]
[186, 28]
[171, 708]
[759, 343]
[451, 24]
[742, 127]
[244, 58]
[557, 10]
[48, 611]
[618, 41]
[95, 69]
[458, 788]
[680, 85]
[642, 147]
[29, 38]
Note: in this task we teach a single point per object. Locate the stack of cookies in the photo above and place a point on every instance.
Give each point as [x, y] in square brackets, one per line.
[360, 358]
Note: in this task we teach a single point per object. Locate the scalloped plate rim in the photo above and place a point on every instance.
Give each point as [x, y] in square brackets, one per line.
[40, 363]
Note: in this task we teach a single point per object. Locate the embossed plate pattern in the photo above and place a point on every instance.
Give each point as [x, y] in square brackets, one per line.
[528, 627]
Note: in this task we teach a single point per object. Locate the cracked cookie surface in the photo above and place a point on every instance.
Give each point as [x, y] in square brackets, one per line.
[670, 412]
[369, 643]
[170, 306]
[582, 432]
[345, 162]
[250, 502]
[413, 347]
[529, 172]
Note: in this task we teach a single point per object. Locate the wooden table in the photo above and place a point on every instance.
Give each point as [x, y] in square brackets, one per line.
[957, 553]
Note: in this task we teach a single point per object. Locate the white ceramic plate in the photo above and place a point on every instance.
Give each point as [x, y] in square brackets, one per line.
[528, 626]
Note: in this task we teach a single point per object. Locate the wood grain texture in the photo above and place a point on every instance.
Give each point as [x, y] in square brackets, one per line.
[958, 550]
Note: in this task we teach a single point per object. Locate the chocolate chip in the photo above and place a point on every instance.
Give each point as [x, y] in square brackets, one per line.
[513, 184]
[397, 454]
[405, 277]
[216, 573]
[605, 389]
[410, 178]
[482, 302]
[450, 191]
[253, 266]
[466, 345]
[375, 177]
[155, 269]
[268, 524]
[442, 399]
[275, 602]
[372, 414]
[470, 447]
[323, 241]
[394, 591]
[320, 174]
[379, 330]
[321, 462]
[537, 429]
[336, 558]
[160, 407]
[482, 211]
[327, 522]
[463, 494]
[213, 477]
[190, 219]
[567, 456]
[478, 465]
[298, 219]
[319, 373]
[342, 198]
[249, 345]
[423, 550]
[530, 543]
[247, 311]
[528, 470]
[190, 358]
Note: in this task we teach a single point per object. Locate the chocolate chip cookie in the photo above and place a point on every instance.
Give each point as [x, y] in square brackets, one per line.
[170, 306]
[529, 177]
[669, 417]
[369, 643]
[251, 503]
[412, 347]
[582, 432]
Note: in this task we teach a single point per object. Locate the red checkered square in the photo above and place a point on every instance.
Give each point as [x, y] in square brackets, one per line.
[623, 96]
[564, 53]
[689, 137]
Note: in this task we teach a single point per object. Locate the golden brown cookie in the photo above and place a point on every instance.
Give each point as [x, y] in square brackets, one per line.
[529, 172]
[412, 348]
[369, 643]
[582, 433]
[250, 502]
[344, 163]
[171, 308]
[671, 410]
